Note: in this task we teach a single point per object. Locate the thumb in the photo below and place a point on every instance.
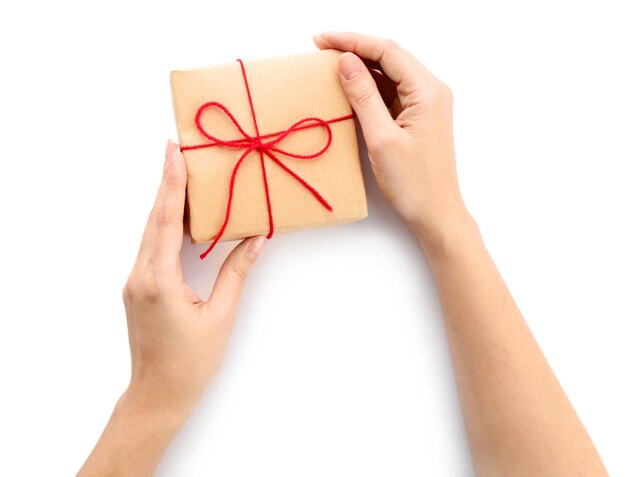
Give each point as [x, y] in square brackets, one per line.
[234, 271]
[361, 90]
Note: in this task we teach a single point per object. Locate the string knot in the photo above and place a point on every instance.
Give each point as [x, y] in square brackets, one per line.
[257, 145]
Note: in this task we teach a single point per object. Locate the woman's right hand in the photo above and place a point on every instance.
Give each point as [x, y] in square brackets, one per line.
[412, 156]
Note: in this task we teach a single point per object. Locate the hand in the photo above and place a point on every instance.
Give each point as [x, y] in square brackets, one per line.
[177, 341]
[412, 156]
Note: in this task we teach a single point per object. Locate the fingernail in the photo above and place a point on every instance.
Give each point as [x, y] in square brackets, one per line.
[350, 66]
[254, 248]
[168, 151]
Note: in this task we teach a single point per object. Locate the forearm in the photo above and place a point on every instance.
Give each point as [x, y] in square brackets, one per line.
[133, 441]
[518, 419]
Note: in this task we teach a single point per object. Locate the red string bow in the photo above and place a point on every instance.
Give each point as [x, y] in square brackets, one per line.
[266, 145]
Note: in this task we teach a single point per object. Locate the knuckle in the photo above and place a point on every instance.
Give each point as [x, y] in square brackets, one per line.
[363, 93]
[149, 294]
[129, 291]
[437, 94]
[131, 288]
[172, 180]
[159, 217]
[142, 288]
[149, 289]
[391, 44]
[238, 272]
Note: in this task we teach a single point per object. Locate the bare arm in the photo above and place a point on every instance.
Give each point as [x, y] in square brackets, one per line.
[519, 421]
[177, 341]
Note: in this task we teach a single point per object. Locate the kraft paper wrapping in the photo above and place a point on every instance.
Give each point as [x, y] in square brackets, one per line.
[284, 90]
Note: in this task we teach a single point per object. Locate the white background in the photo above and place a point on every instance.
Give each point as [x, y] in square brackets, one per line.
[338, 364]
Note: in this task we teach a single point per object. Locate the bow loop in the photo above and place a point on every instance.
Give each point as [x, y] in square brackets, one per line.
[300, 125]
[237, 143]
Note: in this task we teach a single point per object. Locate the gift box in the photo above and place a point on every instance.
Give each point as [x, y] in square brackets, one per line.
[270, 146]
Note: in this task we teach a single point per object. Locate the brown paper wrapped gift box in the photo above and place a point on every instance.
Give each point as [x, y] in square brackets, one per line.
[283, 91]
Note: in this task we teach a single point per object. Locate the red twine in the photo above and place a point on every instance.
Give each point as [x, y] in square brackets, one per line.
[266, 146]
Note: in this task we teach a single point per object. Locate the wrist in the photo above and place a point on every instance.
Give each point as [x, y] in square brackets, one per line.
[140, 403]
[134, 439]
[447, 234]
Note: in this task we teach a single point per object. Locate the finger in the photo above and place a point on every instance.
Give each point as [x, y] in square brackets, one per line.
[361, 90]
[234, 271]
[386, 87]
[397, 63]
[163, 235]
